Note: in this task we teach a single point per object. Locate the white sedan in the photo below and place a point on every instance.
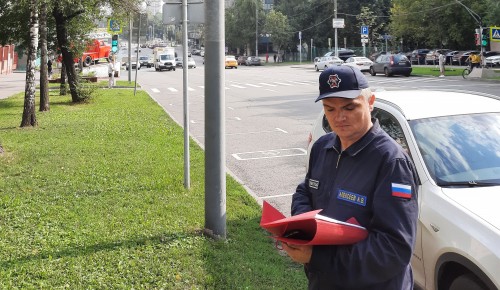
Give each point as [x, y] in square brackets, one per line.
[492, 61]
[327, 61]
[453, 139]
[360, 62]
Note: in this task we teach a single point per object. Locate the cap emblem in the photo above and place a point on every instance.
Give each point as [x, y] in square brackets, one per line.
[334, 81]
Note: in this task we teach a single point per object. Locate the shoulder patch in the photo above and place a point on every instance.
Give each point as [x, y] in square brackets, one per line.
[401, 190]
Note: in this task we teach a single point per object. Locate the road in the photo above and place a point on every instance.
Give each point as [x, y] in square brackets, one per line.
[269, 113]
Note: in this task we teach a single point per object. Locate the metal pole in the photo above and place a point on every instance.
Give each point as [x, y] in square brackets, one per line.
[187, 182]
[215, 163]
[311, 49]
[300, 48]
[256, 29]
[136, 55]
[336, 36]
[130, 48]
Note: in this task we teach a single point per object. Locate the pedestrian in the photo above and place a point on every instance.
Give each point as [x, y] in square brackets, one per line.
[274, 56]
[111, 73]
[358, 171]
[441, 59]
[49, 67]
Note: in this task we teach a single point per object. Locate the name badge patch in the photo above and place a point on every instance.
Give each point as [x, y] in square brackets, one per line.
[313, 183]
[351, 197]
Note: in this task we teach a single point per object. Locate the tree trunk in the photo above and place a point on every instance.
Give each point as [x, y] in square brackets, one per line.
[67, 56]
[29, 117]
[44, 84]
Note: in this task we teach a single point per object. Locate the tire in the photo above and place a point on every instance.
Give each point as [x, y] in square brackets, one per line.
[316, 67]
[173, 69]
[372, 71]
[467, 282]
[465, 73]
[386, 72]
[88, 61]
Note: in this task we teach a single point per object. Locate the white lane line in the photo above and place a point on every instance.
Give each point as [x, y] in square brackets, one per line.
[239, 87]
[299, 83]
[271, 90]
[266, 84]
[172, 89]
[281, 130]
[238, 118]
[230, 108]
[190, 89]
[193, 122]
[283, 84]
[278, 153]
[201, 87]
[252, 85]
[155, 90]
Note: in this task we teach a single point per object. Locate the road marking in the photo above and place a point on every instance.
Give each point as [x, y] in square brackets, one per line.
[201, 87]
[155, 90]
[255, 86]
[281, 130]
[190, 89]
[266, 84]
[172, 89]
[239, 87]
[284, 84]
[193, 122]
[278, 153]
[230, 108]
[238, 118]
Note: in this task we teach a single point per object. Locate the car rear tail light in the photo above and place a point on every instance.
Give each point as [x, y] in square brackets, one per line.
[392, 60]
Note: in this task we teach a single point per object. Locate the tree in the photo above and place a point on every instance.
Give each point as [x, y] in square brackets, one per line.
[44, 88]
[278, 27]
[29, 116]
[241, 21]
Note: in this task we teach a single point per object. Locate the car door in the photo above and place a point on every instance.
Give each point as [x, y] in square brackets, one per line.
[392, 122]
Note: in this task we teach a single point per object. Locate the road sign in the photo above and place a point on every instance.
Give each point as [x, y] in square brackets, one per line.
[114, 26]
[364, 30]
[338, 23]
[364, 40]
[495, 34]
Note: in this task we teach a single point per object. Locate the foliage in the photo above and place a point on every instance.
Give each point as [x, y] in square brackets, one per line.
[277, 25]
[105, 207]
[241, 21]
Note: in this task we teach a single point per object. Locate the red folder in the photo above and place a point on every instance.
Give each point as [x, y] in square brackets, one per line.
[310, 228]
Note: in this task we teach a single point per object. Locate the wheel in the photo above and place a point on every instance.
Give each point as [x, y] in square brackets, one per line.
[372, 71]
[88, 61]
[465, 73]
[466, 282]
[173, 69]
[236, 67]
[386, 72]
[326, 67]
[316, 68]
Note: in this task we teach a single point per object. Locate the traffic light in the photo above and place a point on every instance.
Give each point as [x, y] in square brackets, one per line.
[114, 43]
[477, 38]
[485, 36]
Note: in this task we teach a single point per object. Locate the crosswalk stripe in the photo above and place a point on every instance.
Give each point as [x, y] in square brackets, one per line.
[266, 84]
[284, 84]
[172, 89]
[239, 87]
[255, 86]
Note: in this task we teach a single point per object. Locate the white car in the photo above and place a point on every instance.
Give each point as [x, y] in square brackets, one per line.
[327, 61]
[454, 141]
[492, 61]
[360, 62]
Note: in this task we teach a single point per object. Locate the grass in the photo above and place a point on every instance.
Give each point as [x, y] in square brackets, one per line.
[93, 198]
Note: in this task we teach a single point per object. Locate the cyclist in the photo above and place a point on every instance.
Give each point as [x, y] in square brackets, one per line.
[474, 59]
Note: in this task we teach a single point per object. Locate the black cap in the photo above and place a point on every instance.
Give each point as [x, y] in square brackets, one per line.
[341, 81]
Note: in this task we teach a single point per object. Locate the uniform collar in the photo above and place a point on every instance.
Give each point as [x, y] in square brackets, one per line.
[334, 142]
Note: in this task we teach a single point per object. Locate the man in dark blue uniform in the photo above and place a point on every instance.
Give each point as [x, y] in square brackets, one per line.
[358, 171]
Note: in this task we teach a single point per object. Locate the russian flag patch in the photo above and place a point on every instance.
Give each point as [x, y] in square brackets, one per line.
[401, 190]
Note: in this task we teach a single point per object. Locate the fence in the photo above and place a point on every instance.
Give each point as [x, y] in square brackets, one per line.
[8, 59]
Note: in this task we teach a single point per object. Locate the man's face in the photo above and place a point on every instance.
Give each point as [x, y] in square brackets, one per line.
[350, 119]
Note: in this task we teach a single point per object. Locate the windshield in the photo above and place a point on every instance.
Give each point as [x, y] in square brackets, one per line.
[461, 150]
[166, 57]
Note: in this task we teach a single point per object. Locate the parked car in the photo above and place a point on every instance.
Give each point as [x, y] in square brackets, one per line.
[327, 61]
[418, 56]
[432, 57]
[391, 64]
[343, 53]
[449, 56]
[492, 61]
[490, 53]
[133, 65]
[253, 60]
[455, 152]
[242, 60]
[143, 61]
[230, 62]
[374, 55]
[360, 62]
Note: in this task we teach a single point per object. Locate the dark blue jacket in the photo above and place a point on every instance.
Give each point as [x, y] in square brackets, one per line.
[364, 182]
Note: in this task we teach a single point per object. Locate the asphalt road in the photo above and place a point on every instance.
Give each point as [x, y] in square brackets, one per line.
[269, 113]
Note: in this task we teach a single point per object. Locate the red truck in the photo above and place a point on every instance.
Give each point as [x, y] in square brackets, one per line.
[95, 50]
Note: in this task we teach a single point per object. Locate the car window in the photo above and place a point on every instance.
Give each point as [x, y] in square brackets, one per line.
[400, 57]
[387, 122]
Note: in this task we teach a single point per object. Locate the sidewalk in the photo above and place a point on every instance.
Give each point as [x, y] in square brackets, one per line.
[13, 83]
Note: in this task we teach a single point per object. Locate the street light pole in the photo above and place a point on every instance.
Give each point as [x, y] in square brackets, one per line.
[336, 36]
[256, 29]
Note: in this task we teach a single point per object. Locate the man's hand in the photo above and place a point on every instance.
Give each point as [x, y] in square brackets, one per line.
[298, 253]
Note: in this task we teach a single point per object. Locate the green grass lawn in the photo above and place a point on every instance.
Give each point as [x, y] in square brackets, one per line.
[93, 198]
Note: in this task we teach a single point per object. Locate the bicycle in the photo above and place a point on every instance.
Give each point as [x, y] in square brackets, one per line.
[466, 71]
